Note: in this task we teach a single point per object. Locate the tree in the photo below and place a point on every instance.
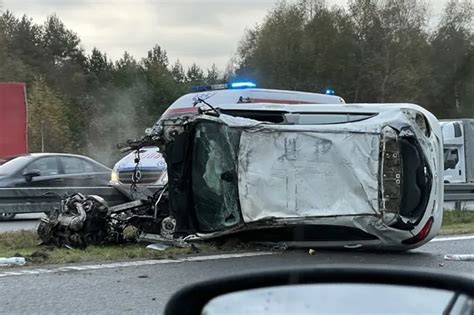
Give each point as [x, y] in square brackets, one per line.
[156, 56]
[374, 52]
[273, 53]
[61, 44]
[48, 125]
[177, 72]
[21, 48]
[213, 76]
[195, 75]
[452, 61]
[393, 45]
[100, 66]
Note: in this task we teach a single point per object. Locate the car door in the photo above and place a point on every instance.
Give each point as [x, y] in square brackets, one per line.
[48, 170]
[79, 172]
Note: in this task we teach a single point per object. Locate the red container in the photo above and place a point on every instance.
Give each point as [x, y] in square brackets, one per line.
[13, 119]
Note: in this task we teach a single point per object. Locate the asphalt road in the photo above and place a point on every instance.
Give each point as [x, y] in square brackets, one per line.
[145, 289]
[21, 222]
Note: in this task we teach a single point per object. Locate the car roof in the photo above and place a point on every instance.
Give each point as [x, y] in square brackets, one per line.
[217, 97]
[49, 154]
[41, 154]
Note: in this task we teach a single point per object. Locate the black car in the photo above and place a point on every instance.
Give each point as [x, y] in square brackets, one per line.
[51, 170]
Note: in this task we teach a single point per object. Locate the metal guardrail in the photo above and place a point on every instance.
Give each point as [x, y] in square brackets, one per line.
[459, 192]
[31, 200]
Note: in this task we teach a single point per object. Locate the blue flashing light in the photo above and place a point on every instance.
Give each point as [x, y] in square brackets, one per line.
[330, 92]
[240, 85]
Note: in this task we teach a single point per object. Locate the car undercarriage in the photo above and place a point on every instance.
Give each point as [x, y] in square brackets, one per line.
[285, 180]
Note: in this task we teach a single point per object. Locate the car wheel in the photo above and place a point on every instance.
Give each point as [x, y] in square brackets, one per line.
[6, 216]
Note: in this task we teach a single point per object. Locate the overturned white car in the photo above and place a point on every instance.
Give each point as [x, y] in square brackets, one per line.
[312, 175]
[355, 175]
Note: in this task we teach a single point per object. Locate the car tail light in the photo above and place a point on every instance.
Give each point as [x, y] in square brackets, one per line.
[422, 234]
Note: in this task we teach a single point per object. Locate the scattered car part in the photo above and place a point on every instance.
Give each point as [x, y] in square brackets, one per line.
[463, 257]
[8, 261]
[80, 221]
[87, 220]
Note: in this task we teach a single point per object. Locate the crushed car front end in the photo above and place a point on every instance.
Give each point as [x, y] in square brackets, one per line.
[337, 176]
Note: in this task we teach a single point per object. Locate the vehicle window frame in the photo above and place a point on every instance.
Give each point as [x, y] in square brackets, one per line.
[94, 166]
[74, 158]
[23, 170]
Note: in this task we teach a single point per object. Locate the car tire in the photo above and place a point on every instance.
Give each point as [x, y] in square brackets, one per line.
[7, 216]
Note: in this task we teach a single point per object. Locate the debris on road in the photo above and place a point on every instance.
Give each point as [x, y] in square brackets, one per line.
[81, 221]
[8, 261]
[312, 252]
[157, 246]
[464, 257]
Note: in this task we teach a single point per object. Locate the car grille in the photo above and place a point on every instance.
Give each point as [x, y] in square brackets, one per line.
[148, 177]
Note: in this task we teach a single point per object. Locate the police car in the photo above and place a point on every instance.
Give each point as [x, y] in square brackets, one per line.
[151, 169]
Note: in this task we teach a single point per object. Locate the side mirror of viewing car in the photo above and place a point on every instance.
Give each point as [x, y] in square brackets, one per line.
[322, 289]
[29, 175]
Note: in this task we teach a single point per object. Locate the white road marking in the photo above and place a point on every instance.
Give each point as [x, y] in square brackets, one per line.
[19, 272]
[453, 238]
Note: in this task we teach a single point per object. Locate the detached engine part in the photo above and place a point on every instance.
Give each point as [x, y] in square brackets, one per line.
[87, 220]
[80, 221]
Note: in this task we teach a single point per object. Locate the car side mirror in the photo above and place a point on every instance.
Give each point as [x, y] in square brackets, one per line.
[29, 175]
[450, 164]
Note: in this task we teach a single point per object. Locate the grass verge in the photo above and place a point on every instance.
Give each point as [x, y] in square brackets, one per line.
[457, 222]
[25, 244]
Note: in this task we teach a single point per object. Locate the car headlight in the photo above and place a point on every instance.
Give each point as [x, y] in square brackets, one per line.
[114, 177]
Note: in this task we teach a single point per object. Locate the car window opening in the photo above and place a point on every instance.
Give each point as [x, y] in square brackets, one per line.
[214, 176]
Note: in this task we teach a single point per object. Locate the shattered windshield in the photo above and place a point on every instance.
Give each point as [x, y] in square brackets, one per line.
[214, 179]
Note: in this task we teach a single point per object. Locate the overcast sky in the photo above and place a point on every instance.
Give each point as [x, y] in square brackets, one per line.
[201, 31]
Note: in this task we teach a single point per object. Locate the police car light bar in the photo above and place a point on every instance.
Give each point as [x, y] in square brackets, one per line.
[239, 85]
[234, 85]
